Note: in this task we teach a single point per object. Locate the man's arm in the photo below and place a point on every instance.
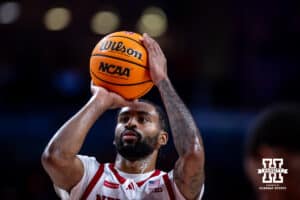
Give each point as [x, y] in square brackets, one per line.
[189, 168]
[59, 157]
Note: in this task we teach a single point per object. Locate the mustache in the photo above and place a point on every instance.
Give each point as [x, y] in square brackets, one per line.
[131, 130]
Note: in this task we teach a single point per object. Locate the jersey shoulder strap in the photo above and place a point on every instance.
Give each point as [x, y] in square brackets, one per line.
[169, 186]
[93, 182]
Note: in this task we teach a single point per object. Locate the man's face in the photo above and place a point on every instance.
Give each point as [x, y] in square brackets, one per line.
[137, 131]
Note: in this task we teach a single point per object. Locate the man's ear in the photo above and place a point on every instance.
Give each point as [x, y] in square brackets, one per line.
[163, 138]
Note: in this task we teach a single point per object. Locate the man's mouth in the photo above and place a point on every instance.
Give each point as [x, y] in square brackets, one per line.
[130, 135]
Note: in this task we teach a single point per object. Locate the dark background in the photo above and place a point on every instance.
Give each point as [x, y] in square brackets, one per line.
[227, 60]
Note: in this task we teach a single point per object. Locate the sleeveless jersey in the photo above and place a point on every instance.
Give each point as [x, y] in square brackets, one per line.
[105, 182]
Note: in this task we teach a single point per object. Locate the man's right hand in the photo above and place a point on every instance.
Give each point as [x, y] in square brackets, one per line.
[108, 99]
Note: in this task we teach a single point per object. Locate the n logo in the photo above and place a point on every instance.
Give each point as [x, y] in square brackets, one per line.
[272, 170]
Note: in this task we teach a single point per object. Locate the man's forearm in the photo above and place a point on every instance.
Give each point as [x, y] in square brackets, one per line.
[68, 140]
[185, 132]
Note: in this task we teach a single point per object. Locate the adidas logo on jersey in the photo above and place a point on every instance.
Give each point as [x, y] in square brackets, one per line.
[130, 187]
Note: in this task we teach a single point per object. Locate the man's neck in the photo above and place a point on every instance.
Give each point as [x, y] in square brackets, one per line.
[136, 167]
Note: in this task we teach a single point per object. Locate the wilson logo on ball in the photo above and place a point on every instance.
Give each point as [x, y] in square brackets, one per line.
[119, 46]
[114, 70]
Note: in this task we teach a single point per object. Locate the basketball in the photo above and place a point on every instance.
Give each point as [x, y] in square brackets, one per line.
[119, 63]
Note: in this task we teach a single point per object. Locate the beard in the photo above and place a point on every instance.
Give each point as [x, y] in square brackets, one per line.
[138, 149]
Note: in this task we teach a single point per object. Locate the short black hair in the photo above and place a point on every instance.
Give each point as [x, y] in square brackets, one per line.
[163, 118]
[276, 126]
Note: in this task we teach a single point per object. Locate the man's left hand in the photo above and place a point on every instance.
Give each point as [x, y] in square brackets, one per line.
[156, 58]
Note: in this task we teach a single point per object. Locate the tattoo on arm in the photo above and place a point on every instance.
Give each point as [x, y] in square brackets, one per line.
[185, 132]
[188, 170]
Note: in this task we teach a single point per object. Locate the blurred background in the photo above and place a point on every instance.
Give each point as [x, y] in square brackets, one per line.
[227, 60]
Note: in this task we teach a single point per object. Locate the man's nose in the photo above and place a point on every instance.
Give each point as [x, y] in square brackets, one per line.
[132, 123]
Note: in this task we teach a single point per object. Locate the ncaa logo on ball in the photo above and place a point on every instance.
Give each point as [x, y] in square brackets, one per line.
[114, 69]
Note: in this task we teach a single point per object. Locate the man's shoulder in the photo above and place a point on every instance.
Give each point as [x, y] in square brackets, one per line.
[86, 158]
[90, 163]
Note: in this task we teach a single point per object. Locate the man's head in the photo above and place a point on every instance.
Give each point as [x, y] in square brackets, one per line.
[141, 130]
[275, 134]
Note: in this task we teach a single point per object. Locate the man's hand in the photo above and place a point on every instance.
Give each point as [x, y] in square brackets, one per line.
[109, 99]
[156, 58]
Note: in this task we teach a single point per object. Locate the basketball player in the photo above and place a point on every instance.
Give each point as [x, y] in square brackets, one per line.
[139, 134]
[275, 134]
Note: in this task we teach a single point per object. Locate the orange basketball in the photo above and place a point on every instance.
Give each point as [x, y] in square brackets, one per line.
[119, 62]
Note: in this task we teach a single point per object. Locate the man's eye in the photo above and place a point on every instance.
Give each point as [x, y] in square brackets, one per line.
[142, 120]
[124, 119]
